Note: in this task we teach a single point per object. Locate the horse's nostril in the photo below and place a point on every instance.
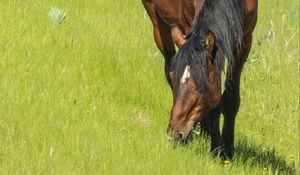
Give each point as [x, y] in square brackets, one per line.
[180, 136]
[172, 134]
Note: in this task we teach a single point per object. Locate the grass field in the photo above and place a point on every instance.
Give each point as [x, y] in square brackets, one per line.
[88, 96]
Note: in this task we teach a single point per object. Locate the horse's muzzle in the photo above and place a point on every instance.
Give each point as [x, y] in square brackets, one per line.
[181, 136]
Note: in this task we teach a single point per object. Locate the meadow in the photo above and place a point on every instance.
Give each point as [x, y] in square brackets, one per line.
[88, 95]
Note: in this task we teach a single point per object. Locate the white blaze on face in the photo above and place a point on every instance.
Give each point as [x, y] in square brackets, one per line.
[186, 74]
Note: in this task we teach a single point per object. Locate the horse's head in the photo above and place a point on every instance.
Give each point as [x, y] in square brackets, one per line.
[195, 84]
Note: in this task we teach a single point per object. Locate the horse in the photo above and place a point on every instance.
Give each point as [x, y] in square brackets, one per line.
[171, 20]
[222, 32]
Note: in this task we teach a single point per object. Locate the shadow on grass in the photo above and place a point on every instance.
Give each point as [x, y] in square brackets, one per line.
[252, 155]
[249, 154]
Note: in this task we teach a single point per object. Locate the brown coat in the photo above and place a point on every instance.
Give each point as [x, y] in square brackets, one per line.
[171, 19]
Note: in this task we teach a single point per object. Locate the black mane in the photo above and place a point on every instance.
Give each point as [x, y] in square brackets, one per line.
[224, 18]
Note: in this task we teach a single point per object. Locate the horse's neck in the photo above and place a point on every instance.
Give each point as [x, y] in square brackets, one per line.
[192, 7]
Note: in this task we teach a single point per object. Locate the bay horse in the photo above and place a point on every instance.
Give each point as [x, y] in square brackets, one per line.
[218, 31]
[222, 32]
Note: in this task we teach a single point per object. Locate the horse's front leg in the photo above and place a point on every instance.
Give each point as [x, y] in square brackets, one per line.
[213, 124]
[210, 126]
[231, 98]
[231, 103]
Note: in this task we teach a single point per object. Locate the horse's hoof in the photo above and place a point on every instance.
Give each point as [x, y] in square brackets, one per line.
[227, 152]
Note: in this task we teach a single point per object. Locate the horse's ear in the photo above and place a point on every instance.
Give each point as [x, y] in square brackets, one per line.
[209, 42]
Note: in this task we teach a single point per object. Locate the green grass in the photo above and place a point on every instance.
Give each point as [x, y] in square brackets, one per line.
[88, 95]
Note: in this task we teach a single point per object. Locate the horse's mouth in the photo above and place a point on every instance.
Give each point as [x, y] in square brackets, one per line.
[189, 137]
[189, 130]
